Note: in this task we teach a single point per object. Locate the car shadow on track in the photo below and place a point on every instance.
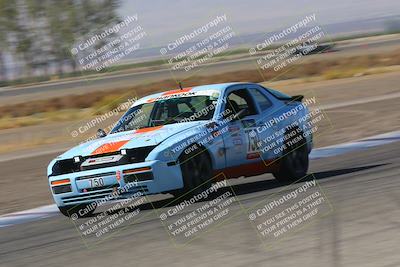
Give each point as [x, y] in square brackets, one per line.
[252, 187]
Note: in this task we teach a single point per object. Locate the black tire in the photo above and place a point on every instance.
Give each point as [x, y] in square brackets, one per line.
[68, 211]
[196, 171]
[294, 163]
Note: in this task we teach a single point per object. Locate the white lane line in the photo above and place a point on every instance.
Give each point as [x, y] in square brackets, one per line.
[23, 155]
[357, 145]
[324, 152]
[364, 100]
[28, 215]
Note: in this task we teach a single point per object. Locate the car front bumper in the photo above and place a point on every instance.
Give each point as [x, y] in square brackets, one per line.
[150, 177]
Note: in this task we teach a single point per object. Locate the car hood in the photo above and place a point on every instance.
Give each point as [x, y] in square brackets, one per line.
[131, 139]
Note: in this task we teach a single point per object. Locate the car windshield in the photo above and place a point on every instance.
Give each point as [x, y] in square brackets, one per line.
[167, 111]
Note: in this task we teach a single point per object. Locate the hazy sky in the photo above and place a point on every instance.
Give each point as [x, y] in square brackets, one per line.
[165, 20]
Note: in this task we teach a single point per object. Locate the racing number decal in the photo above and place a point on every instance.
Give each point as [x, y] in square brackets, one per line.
[96, 182]
[253, 141]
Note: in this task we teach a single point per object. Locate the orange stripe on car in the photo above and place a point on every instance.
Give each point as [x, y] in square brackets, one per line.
[115, 146]
[142, 169]
[150, 129]
[177, 91]
[109, 147]
[61, 182]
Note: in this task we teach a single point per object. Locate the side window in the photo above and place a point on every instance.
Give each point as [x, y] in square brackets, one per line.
[263, 102]
[240, 100]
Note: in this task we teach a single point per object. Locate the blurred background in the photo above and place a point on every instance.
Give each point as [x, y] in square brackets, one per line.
[70, 67]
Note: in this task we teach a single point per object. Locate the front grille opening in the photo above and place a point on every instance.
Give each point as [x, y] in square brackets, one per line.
[65, 166]
[135, 155]
[131, 178]
[60, 189]
[114, 186]
[98, 195]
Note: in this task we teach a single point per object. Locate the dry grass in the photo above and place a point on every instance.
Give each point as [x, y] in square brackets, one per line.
[32, 143]
[345, 73]
[8, 122]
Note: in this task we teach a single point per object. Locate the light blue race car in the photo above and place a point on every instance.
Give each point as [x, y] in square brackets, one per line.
[181, 141]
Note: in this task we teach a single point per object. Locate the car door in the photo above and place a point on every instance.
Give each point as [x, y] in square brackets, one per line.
[241, 138]
[270, 130]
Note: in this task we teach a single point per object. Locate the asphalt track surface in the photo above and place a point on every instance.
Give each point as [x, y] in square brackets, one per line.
[361, 230]
[84, 85]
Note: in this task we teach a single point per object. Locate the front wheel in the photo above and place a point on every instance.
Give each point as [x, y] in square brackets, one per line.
[196, 173]
[295, 161]
[81, 210]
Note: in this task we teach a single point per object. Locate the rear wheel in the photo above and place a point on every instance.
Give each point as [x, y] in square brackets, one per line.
[294, 163]
[81, 210]
[196, 173]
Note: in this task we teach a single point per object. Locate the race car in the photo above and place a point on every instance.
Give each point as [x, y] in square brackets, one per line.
[310, 48]
[182, 141]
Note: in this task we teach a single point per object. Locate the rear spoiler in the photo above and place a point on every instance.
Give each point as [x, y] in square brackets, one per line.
[298, 98]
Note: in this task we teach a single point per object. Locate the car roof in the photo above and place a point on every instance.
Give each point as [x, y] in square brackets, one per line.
[207, 87]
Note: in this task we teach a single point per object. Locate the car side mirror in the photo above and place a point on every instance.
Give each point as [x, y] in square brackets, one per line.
[101, 133]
